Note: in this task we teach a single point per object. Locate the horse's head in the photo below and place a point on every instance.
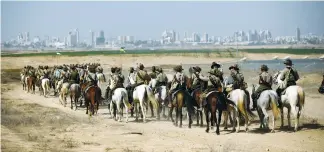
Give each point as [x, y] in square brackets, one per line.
[152, 83]
[276, 77]
[189, 82]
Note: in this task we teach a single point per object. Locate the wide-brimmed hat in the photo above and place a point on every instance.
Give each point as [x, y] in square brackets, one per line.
[215, 64]
[235, 66]
[197, 68]
[264, 67]
[131, 69]
[288, 62]
[141, 66]
[178, 68]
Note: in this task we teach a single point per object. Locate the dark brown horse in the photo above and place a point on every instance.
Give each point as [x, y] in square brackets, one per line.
[213, 104]
[180, 97]
[92, 97]
[31, 84]
[196, 95]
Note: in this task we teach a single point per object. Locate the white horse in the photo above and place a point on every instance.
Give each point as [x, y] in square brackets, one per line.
[101, 80]
[293, 99]
[58, 85]
[119, 99]
[239, 98]
[143, 94]
[64, 91]
[23, 79]
[160, 96]
[75, 93]
[45, 86]
[268, 100]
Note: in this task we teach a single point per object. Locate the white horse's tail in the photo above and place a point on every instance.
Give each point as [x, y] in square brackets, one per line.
[125, 98]
[151, 97]
[301, 98]
[275, 109]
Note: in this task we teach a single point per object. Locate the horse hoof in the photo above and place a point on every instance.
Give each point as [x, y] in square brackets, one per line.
[207, 130]
[272, 131]
[225, 128]
[217, 132]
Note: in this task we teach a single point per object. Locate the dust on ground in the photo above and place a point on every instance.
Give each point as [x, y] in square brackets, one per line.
[31, 122]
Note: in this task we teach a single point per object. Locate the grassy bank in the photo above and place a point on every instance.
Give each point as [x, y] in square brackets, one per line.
[205, 52]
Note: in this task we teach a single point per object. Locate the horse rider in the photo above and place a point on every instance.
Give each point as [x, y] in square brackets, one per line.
[65, 75]
[110, 83]
[213, 84]
[196, 82]
[131, 75]
[74, 78]
[265, 83]
[153, 74]
[290, 74]
[239, 80]
[161, 79]
[91, 78]
[141, 76]
[178, 82]
[217, 68]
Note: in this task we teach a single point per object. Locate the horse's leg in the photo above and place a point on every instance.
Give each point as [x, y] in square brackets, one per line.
[219, 121]
[152, 111]
[120, 112]
[265, 118]
[273, 123]
[126, 111]
[282, 118]
[207, 119]
[237, 121]
[111, 110]
[177, 115]
[197, 117]
[75, 101]
[201, 119]
[296, 114]
[225, 119]
[71, 97]
[260, 117]
[143, 110]
[288, 117]
[136, 111]
[180, 115]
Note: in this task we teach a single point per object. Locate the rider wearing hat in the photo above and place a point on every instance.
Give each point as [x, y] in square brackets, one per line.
[74, 78]
[178, 82]
[239, 80]
[153, 74]
[213, 84]
[117, 80]
[141, 76]
[290, 74]
[161, 79]
[265, 83]
[215, 68]
[195, 78]
[91, 77]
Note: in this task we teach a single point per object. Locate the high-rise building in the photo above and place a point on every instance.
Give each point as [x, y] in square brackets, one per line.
[92, 40]
[206, 37]
[72, 39]
[130, 39]
[77, 36]
[26, 37]
[100, 40]
[298, 34]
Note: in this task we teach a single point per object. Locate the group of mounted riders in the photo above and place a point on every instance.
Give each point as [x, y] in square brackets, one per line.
[87, 73]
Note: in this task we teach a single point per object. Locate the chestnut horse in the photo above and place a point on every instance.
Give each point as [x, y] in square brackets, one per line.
[91, 97]
[31, 83]
[196, 95]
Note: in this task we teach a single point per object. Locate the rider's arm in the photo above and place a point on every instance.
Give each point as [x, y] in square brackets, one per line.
[203, 78]
[296, 75]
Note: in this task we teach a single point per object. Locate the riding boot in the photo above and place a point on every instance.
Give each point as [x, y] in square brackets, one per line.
[279, 104]
[248, 98]
[254, 100]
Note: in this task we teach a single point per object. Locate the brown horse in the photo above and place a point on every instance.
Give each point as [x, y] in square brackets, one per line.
[31, 84]
[196, 96]
[92, 97]
[212, 105]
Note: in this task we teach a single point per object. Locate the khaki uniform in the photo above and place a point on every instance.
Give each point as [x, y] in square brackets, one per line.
[265, 83]
[153, 75]
[292, 76]
[238, 79]
[140, 78]
[195, 81]
[213, 84]
[178, 82]
[74, 78]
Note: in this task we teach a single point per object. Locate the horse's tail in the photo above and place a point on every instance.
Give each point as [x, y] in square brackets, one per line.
[151, 98]
[301, 97]
[125, 98]
[243, 107]
[47, 86]
[275, 108]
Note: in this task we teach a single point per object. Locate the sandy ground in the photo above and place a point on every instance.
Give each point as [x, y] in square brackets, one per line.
[31, 122]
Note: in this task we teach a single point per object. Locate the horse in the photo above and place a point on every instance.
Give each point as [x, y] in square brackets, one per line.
[31, 83]
[268, 100]
[101, 79]
[293, 99]
[160, 96]
[119, 99]
[239, 98]
[23, 78]
[196, 96]
[75, 93]
[92, 98]
[181, 99]
[212, 105]
[45, 86]
[142, 95]
[63, 93]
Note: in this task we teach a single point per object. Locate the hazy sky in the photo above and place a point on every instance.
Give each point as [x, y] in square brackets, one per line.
[149, 19]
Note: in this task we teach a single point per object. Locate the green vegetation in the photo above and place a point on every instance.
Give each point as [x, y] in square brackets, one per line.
[206, 52]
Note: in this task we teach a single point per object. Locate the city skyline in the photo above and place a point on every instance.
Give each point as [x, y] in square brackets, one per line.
[281, 18]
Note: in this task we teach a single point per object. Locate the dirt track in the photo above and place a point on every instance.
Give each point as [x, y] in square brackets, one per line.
[33, 123]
